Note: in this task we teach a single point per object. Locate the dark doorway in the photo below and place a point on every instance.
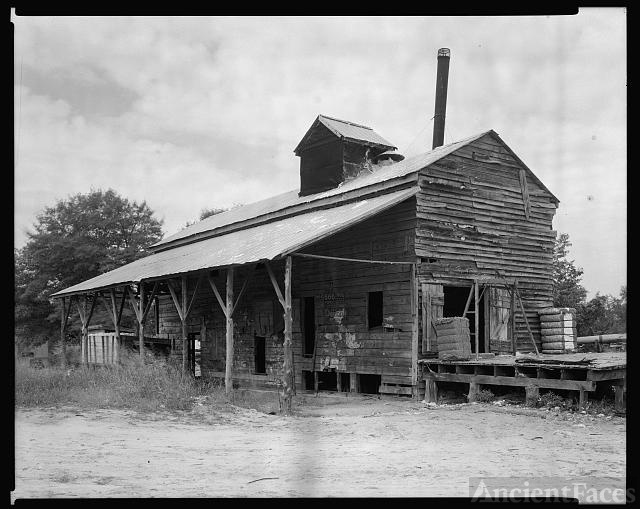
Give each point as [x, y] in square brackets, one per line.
[260, 355]
[309, 324]
[327, 381]
[455, 299]
[370, 384]
[345, 382]
[309, 380]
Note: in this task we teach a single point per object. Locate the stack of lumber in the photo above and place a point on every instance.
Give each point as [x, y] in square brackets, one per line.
[558, 330]
[452, 338]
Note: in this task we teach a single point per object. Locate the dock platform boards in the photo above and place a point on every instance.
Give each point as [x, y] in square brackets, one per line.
[575, 372]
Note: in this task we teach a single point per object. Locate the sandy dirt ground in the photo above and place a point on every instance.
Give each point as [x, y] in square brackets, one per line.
[336, 446]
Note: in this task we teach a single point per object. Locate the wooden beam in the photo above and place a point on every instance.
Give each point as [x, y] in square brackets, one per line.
[426, 304]
[288, 382]
[414, 326]
[228, 372]
[93, 306]
[193, 298]
[524, 314]
[217, 294]
[513, 333]
[125, 291]
[275, 284]
[141, 323]
[548, 383]
[116, 318]
[466, 306]
[242, 290]
[183, 318]
[174, 298]
[150, 301]
[135, 306]
[476, 317]
[358, 260]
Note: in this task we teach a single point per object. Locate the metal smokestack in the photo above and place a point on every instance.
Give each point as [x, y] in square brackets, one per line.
[442, 80]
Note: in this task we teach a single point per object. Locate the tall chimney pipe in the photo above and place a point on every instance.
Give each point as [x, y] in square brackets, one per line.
[442, 80]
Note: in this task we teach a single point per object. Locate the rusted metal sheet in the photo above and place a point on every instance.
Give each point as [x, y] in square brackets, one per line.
[264, 242]
[286, 202]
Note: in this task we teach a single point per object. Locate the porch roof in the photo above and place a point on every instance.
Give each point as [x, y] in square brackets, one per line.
[267, 241]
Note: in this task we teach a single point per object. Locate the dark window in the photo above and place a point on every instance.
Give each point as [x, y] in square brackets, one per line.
[374, 309]
[309, 324]
[260, 355]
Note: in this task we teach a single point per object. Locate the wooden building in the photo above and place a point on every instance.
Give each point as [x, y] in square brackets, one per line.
[336, 283]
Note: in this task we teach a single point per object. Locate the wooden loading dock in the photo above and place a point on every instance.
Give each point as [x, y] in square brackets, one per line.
[571, 372]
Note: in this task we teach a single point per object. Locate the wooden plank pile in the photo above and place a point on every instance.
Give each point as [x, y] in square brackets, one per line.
[558, 330]
[452, 338]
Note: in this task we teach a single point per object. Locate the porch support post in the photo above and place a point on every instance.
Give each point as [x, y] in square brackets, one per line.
[185, 342]
[64, 315]
[141, 323]
[288, 327]
[228, 369]
[476, 317]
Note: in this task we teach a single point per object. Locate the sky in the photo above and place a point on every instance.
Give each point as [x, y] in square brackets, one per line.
[193, 113]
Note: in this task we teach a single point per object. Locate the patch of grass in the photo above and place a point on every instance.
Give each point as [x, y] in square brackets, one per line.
[156, 385]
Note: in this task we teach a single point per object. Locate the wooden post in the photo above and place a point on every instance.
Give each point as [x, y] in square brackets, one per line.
[141, 323]
[185, 342]
[430, 390]
[228, 374]
[474, 389]
[584, 397]
[66, 308]
[116, 317]
[414, 329]
[514, 345]
[476, 317]
[288, 326]
[619, 396]
[531, 395]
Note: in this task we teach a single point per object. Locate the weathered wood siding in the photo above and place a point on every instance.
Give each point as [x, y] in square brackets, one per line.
[472, 221]
[344, 341]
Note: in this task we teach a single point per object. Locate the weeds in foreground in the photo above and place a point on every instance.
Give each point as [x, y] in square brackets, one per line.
[156, 385]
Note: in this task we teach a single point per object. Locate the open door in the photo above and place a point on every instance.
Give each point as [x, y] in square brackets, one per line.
[499, 314]
[432, 306]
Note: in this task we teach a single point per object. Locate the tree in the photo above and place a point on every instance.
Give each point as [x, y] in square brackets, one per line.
[75, 240]
[604, 314]
[567, 290]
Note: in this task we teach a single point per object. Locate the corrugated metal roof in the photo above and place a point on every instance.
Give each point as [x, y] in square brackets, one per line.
[353, 131]
[264, 242]
[290, 199]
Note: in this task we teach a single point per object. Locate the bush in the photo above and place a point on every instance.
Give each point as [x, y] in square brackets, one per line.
[484, 396]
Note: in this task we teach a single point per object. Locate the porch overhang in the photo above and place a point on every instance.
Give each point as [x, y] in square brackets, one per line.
[265, 242]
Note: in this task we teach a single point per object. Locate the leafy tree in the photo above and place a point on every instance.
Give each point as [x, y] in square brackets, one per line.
[72, 241]
[604, 314]
[567, 290]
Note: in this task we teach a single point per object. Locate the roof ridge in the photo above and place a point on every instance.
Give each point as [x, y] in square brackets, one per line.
[345, 122]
